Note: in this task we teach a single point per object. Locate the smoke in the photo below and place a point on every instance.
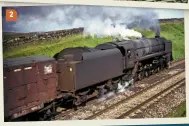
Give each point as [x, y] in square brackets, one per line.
[106, 28]
[97, 20]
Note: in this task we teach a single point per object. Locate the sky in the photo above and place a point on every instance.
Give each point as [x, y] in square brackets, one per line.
[49, 18]
[170, 13]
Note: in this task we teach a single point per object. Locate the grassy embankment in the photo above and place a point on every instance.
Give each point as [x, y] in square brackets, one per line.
[50, 48]
[171, 31]
[180, 111]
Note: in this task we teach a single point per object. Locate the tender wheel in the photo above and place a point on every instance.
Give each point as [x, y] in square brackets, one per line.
[109, 86]
[101, 92]
[115, 86]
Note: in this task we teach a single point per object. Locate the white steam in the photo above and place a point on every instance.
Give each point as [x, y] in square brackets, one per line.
[107, 29]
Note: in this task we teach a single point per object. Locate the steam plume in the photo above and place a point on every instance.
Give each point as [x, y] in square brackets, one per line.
[95, 19]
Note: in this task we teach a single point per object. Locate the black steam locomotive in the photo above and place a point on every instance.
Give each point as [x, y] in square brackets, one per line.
[38, 83]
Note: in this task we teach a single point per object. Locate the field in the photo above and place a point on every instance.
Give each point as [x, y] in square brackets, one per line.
[171, 31]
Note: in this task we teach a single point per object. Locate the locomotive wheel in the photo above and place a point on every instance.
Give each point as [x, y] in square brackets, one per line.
[162, 63]
[147, 74]
[141, 75]
[131, 81]
[158, 69]
[152, 71]
[125, 84]
[155, 71]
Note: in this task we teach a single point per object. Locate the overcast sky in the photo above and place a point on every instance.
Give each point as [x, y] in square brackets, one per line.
[47, 18]
[170, 13]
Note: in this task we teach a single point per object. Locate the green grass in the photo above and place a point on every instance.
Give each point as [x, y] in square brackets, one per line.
[50, 48]
[171, 31]
[180, 111]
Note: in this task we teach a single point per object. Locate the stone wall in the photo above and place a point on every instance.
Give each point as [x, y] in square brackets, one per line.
[37, 36]
[171, 20]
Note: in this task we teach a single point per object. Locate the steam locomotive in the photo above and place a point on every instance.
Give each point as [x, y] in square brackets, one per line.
[38, 83]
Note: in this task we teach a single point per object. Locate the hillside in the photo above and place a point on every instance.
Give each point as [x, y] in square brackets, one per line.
[172, 31]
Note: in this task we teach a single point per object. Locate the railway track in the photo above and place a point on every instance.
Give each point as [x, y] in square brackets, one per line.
[163, 104]
[177, 62]
[129, 103]
[71, 114]
[151, 100]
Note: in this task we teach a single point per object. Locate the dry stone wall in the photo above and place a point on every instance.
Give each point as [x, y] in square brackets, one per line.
[37, 36]
[171, 20]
